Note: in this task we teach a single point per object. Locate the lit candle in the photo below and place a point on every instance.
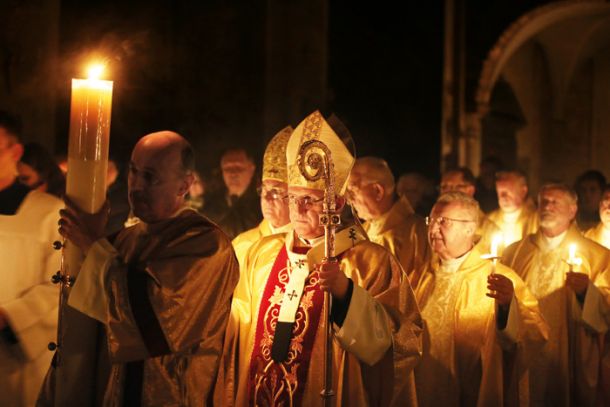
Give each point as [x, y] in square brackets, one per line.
[495, 244]
[87, 150]
[572, 253]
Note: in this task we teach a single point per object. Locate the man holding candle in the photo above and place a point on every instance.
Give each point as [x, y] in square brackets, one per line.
[274, 345]
[481, 326]
[390, 220]
[573, 289]
[516, 216]
[273, 196]
[28, 299]
[161, 288]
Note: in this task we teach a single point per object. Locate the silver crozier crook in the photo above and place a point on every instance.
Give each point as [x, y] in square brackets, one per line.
[315, 162]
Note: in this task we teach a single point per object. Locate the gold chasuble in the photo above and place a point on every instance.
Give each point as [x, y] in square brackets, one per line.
[515, 226]
[566, 372]
[467, 360]
[163, 293]
[403, 233]
[244, 240]
[599, 234]
[374, 350]
[486, 230]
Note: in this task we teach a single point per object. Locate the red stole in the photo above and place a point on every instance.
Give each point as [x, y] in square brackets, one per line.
[281, 384]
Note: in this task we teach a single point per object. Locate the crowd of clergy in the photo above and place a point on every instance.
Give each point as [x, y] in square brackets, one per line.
[461, 299]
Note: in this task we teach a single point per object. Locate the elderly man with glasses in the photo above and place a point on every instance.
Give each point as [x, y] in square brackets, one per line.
[480, 322]
[273, 194]
[274, 346]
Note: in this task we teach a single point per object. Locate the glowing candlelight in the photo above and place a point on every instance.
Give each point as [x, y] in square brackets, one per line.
[495, 244]
[88, 149]
[572, 253]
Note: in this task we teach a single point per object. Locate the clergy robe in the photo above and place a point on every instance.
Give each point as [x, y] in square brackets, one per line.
[163, 293]
[374, 350]
[27, 296]
[244, 240]
[515, 227]
[599, 234]
[467, 360]
[403, 233]
[566, 371]
[486, 230]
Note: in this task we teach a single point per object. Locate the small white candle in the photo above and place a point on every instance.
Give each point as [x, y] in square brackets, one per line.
[572, 253]
[495, 243]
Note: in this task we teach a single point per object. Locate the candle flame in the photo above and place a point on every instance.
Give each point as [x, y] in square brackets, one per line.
[95, 71]
[572, 252]
[495, 243]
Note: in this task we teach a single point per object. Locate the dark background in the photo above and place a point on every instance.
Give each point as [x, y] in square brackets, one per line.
[205, 69]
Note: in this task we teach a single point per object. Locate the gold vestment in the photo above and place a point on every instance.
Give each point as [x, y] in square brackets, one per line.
[387, 382]
[403, 233]
[566, 372]
[525, 224]
[466, 360]
[163, 293]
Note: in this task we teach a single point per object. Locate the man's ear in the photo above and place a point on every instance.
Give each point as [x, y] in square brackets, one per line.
[16, 151]
[187, 181]
[379, 191]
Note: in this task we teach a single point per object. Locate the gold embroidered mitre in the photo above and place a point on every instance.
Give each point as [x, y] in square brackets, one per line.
[274, 159]
[314, 127]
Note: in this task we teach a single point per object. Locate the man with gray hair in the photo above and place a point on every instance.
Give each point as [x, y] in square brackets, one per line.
[570, 276]
[516, 216]
[390, 220]
[480, 321]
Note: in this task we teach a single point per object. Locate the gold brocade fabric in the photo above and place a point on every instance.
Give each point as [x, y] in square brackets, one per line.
[315, 127]
[465, 362]
[388, 382]
[403, 233]
[565, 372]
[274, 159]
[597, 235]
[245, 240]
[526, 223]
[486, 230]
[192, 272]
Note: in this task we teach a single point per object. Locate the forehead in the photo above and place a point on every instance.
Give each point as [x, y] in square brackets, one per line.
[508, 182]
[302, 191]
[451, 210]
[606, 196]
[272, 183]
[555, 195]
[145, 156]
[234, 157]
[5, 137]
[453, 176]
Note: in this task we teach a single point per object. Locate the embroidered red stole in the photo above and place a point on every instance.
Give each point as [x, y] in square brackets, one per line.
[281, 384]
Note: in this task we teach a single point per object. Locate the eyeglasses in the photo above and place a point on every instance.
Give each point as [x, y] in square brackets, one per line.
[306, 201]
[443, 221]
[271, 194]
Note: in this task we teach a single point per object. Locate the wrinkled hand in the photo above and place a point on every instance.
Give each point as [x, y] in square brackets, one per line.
[501, 288]
[81, 228]
[577, 282]
[332, 279]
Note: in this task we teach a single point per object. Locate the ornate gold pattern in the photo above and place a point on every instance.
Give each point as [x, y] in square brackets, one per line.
[274, 159]
[278, 383]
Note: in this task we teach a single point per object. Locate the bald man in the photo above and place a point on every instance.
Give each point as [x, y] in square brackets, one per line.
[516, 216]
[161, 288]
[389, 220]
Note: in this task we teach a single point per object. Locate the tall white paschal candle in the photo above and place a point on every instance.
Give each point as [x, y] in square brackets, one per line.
[90, 112]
